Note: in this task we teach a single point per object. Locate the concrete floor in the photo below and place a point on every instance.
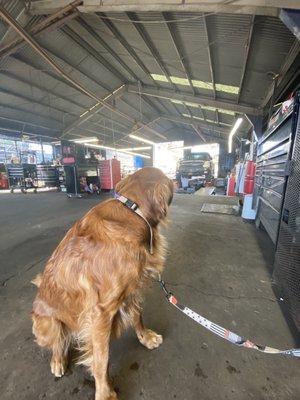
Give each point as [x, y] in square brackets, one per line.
[217, 264]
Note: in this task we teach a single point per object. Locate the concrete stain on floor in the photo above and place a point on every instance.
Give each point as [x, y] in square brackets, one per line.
[217, 265]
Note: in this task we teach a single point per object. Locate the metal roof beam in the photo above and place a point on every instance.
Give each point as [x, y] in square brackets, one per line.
[260, 7]
[210, 61]
[19, 17]
[108, 128]
[93, 52]
[59, 70]
[45, 26]
[26, 133]
[103, 43]
[41, 88]
[194, 122]
[168, 17]
[217, 116]
[125, 44]
[137, 129]
[97, 109]
[94, 110]
[150, 104]
[210, 138]
[57, 77]
[24, 123]
[154, 120]
[199, 132]
[148, 42]
[246, 56]
[94, 132]
[291, 57]
[145, 124]
[29, 100]
[191, 121]
[47, 73]
[31, 113]
[200, 100]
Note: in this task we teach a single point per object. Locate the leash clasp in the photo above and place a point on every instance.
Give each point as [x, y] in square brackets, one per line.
[164, 288]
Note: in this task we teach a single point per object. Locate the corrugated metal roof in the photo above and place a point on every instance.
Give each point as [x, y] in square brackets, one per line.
[270, 45]
[30, 85]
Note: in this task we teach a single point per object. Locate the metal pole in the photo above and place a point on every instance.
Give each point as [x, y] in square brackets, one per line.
[42, 148]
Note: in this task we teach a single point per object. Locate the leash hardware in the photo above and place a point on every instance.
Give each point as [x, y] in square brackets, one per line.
[164, 288]
[131, 204]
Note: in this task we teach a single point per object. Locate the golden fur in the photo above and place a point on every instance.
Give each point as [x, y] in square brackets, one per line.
[90, 288]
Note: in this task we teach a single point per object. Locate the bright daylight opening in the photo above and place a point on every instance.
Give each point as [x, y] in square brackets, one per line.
[197, 84]
[167, 155]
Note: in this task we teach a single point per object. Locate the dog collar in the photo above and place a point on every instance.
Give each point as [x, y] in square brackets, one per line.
[135, 208]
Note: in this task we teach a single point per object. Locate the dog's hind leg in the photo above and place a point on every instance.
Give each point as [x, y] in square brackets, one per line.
[147, 337]
[100, 334]
[60, 347]
[52, 333]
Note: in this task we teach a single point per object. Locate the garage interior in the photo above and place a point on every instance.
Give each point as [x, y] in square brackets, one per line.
[91, 91]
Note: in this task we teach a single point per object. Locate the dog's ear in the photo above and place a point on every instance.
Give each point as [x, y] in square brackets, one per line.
[120, 185]
[162, 195]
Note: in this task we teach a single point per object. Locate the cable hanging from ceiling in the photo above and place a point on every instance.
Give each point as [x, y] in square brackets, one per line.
[170, 21]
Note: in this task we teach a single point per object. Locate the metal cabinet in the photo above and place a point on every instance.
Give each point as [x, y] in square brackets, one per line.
[287, 256]
[273, 166]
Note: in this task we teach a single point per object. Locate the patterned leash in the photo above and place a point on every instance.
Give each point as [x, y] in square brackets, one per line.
[222, 332]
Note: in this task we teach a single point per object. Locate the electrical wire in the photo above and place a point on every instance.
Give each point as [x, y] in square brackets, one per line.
[140, 99]
[178, 20]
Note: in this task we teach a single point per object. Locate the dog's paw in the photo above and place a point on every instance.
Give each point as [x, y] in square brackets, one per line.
[58, 367]
[112, 396]
[150, 339]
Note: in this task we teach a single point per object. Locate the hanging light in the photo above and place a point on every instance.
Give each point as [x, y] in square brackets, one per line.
[232, 132]
[135, 148]
[100, 146]
[140, 139]
[85, 140]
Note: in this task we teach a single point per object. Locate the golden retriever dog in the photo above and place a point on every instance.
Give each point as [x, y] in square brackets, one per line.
[90, 289]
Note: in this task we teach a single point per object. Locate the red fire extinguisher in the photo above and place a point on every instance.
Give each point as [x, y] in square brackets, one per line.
[249, 177]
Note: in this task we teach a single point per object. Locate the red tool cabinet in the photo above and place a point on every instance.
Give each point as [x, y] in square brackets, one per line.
[109, 172]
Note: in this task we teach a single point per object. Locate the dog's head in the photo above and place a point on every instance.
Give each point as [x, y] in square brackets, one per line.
[151, 189]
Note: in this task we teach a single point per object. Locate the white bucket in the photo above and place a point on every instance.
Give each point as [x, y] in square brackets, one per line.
[248, 212]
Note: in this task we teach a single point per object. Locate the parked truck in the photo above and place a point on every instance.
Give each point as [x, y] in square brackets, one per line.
[194, 170]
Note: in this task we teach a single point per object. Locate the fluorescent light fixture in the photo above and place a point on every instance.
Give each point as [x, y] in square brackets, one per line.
[140, 139]
[100, 146]
[232, 132]
[85, 140]
[136, 148]
[133, 153]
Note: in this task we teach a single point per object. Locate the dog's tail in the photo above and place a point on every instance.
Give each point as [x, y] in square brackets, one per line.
[37, 280]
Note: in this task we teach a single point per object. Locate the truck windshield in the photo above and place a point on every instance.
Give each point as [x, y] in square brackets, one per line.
[198, 156]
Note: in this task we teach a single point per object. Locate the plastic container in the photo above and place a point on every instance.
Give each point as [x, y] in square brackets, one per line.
[248, 212]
